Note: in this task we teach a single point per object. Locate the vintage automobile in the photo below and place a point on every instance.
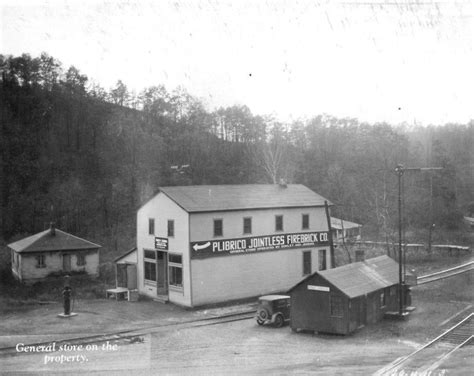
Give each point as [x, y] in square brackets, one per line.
[273, 309]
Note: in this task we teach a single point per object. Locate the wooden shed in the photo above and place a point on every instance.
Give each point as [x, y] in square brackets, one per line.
[125, 277]
[126, 270]
[343, 299]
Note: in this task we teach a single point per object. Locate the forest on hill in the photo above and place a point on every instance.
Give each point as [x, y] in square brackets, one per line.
[86, 158]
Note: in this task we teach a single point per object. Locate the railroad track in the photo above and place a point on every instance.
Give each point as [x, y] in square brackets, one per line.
[445, 273]
[429, 357]
[134, 335]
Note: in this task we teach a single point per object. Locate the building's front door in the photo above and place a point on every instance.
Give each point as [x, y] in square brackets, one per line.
[162, 273]
[66, 263]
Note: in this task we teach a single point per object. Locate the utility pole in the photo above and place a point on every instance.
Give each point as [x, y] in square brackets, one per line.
[432, 225]
[400, 170]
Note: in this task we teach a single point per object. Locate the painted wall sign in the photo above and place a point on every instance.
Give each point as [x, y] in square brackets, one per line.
[318, 288]
[161, 243]
[210, 248]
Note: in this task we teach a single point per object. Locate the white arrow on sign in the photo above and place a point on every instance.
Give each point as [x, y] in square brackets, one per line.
[198, 247]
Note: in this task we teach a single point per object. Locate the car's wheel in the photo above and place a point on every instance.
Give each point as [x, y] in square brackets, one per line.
[279, 320]
[260, 322]
[263, 315]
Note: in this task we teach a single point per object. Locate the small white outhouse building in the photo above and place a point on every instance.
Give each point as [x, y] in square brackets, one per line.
[53, 252]
[199, 245]
[345, 231]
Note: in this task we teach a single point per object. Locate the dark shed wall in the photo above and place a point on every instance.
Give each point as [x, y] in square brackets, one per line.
[311, 309]
[370, 308]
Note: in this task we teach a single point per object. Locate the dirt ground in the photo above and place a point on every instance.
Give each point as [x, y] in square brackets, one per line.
[240, 347]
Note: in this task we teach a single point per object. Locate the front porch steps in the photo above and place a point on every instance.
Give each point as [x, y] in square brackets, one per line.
[161, 299]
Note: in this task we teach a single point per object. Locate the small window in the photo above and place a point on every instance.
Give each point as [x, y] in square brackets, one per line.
[218, 227]
[175, 265]
[278, 223]
[305, 222]
[170, 228]
[40, 261]
[150, 271]
[150, 254]
[322, 259]
[306, 262]
[383, 299]
[247, 225]
[151, 226]
[173, 258]
[337, 309]
[81, 260]
[393, 290]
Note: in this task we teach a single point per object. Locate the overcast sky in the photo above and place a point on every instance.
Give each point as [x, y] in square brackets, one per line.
[383, 60]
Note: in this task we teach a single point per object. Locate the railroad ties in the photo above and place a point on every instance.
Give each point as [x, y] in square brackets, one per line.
[428, 358]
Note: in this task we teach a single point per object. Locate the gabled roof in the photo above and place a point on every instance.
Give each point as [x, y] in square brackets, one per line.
[361, 278]
[207, 198]
[47, 241]
[338, 224]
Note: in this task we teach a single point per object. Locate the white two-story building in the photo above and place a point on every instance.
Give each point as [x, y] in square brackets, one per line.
[199, 245]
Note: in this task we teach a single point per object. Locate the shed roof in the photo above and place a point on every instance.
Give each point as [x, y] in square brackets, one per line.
[338, 224]
[50, 240]
[361, 278]
[117, 259]
[206, 198]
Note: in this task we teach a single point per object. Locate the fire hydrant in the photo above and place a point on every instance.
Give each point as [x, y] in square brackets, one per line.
[67, 291]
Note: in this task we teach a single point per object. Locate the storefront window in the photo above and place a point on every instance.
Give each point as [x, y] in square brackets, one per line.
[150, 254]
[150, 265]
[175, 264]
[150, 271]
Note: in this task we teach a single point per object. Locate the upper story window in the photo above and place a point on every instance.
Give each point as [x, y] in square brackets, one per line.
[151, 226]
[247, 225]
[218, 227]
[278, 223]
[170, 228]
[305, 222]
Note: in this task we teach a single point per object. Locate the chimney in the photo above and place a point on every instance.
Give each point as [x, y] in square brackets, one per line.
[360, 255]
[52, 229]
